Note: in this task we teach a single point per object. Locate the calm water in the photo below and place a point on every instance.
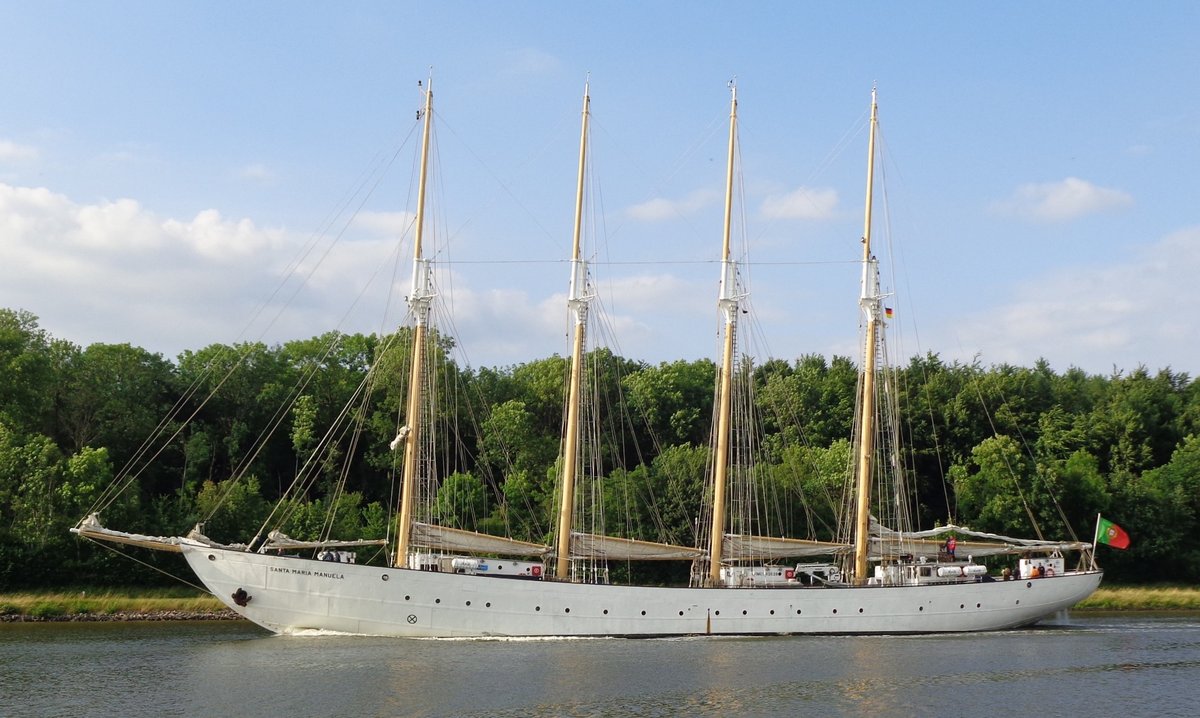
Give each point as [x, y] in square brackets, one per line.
[1101, 665]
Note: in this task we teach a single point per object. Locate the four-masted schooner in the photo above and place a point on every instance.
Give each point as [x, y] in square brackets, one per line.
[447, 582]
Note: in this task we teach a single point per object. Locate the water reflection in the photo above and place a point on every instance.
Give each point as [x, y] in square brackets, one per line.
[1144, 666]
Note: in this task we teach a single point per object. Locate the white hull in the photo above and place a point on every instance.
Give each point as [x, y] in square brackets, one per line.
[289, 594]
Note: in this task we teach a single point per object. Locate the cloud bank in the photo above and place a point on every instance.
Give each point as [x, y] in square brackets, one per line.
[1060, 201]
[1126, 312]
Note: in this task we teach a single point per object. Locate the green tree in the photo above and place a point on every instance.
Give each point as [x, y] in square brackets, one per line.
[674, 400]
[27, 372]
[231, 510]
[812, 481]
[461, 501]
[993, 489]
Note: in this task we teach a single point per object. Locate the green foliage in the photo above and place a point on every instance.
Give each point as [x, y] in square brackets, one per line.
[999, 448]
[511, 440]
[813, 402]
[813, 479]
[461, 501]
[1163, 518]
[28, 358]
[674, 399]
[528, 505]
[996, 486]
[235, 509]
[47, 609]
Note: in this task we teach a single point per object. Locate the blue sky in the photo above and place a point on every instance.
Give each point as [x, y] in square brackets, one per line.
[162, 163]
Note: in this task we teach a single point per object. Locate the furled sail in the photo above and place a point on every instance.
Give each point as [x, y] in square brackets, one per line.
[92, 528]
[888, 543]
[442, 538]
[279, 541]
[595, 546]
[744, 546]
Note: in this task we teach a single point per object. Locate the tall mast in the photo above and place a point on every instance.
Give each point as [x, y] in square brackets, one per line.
[577, 302]
[728, 304]
[419, 299]
[869, 302]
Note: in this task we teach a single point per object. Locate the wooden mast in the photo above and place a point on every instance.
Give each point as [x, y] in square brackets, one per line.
[869, 301]
[728, 304]
[419, 299]
[577, 302]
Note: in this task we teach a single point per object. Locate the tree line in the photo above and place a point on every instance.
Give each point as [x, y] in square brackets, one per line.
[998, 448]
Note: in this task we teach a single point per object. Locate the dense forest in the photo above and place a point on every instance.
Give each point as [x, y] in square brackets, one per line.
[1001, 448]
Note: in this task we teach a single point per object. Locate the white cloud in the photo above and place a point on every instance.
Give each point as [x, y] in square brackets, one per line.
[1122, 314]
[501, 326]
[635, 316]
[1058, 201]
[257, 172]
[10, 151]
[386, 224]
[114, 271]
[660, 209]
[801, 203]
[209, 235]
[644, 294]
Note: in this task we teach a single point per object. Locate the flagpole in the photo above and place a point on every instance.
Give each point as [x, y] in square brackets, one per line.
[1095, 539]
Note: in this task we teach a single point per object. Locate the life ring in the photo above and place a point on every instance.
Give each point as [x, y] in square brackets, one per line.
[537, 571]
[1048, 571]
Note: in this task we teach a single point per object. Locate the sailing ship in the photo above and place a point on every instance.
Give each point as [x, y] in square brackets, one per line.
[446, 582]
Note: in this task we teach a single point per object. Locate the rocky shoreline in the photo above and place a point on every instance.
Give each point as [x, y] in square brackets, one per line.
[125, 617]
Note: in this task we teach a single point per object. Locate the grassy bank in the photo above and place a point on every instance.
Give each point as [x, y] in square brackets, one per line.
[1143, 598]
[112, 604]
[133, 604]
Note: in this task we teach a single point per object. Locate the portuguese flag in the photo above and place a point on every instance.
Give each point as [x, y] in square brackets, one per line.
[1111, 534]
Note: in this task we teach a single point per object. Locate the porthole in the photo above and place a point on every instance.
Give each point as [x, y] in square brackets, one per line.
[860, 610]
[1029, 584]
[437, 600]
[537, 608]
[384, 577]
[468, 603]
[212, 557]
[643, 613]
[488, 604]
[716, 613]
[408, 598]
[772, 612]
[979, 605]
[798, 612]
[681, 613]
[835, 610]
[566, 610]
[1018, 602]
[962, 605]
[920, 608]
[606, 612]
[743, 613]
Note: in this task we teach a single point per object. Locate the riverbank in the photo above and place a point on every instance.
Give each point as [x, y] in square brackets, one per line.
[114, 605]
[187, 605]
[1142, 598]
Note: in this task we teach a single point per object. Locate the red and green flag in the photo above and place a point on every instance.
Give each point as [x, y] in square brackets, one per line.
[1109, 533]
